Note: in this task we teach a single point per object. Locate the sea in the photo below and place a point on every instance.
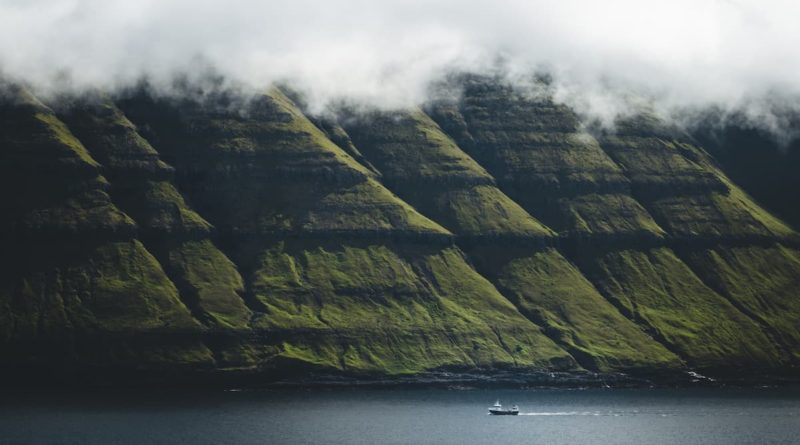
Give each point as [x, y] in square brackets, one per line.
[349, 416]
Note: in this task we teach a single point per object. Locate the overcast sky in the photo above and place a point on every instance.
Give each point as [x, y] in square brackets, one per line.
[685, 52]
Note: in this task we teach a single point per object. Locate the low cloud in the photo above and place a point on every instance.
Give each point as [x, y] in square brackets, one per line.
[737, 57]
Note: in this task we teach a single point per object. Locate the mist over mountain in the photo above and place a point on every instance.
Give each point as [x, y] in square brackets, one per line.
[738, 56]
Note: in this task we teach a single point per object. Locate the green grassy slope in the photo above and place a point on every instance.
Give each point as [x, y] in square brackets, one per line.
[50, 183]
[551, 291]
[757, 161]
[543, 160]
[70, 264]
[665, 190]
[272, 171]
[452, 189]
[761, 281]
[683, 187]
[342, 274]
[209, 283]
[217, 231]
[731, 214]
[658, 291]
[723, 235]
[365, 295]
[426, 168]
[114, 286]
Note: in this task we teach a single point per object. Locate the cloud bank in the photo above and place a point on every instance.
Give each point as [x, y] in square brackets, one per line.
[735, 55]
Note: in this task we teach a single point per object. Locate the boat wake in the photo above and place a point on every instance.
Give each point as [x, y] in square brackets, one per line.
[593, 413]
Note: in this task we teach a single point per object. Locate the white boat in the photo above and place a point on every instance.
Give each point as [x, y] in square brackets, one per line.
[498, 410]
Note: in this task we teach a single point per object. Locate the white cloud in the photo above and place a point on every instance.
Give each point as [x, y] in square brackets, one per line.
[687, 53]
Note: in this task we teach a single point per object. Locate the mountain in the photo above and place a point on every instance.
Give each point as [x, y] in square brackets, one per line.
[220, 234]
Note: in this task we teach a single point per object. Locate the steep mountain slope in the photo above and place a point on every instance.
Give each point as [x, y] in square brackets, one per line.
[545, 287]
[543, 161]
[756, 161]
[340, 272]
[76, 287]
[426, 168]
[644, 191]
[703, 209]
[759, 281]
[219, 233]
[209, 282]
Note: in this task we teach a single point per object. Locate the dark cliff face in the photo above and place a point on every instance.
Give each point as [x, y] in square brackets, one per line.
[758, 162]
[620, 203]
[224, 234]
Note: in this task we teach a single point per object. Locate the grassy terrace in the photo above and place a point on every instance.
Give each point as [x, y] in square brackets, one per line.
[427, 169]
[217, 232]
[387, 294]
[543, 285]
[760, 281]
[271, 174]
[661, 293]
[207, 281]
[548, 289]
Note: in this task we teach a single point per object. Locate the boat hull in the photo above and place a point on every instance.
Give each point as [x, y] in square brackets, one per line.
[503, 412]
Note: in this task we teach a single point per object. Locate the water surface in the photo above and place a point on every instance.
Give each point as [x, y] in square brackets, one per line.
[415, 416]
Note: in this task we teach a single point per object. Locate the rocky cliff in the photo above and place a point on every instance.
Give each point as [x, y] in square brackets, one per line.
[215, 233]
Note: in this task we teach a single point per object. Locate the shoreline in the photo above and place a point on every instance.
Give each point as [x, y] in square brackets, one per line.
[25, 379]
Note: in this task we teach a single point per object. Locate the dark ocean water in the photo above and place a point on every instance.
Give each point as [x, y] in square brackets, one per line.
[417, 416]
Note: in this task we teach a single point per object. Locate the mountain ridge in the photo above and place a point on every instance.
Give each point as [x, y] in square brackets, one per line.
[485, 234]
